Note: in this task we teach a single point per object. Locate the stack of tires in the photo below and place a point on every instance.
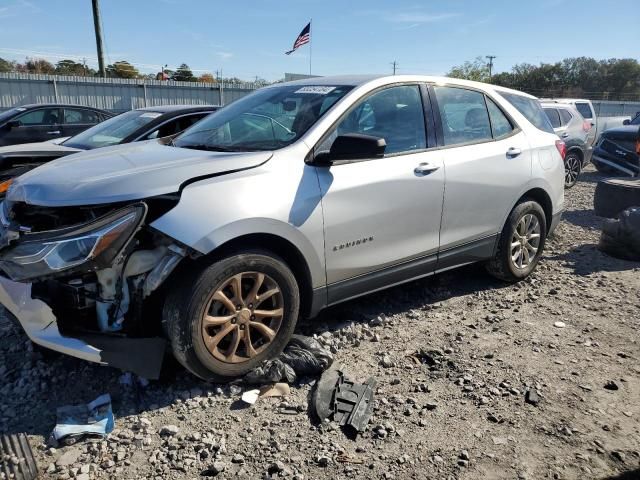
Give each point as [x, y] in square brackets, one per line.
[618, 200]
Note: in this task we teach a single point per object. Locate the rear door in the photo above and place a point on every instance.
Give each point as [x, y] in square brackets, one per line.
[487, 160]
[36, 125]
[76, 120]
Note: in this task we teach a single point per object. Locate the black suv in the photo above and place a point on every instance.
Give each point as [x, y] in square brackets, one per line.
[618, 150]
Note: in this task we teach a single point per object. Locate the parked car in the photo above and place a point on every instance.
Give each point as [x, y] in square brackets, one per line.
[37, 123]
[296, 197]
[618, 150]
[573, 129]
[132, 126]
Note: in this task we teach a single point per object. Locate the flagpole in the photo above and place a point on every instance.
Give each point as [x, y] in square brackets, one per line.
[310, 41]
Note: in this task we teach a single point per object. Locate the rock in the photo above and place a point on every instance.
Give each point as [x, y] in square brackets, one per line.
[618, 455]
[464, 455]
[69, 457]
[532, 397]
[83, 476]
[611, 385]
[499, 440]
[276, 467]
[323, 461]
[559, 324]
[386, 362]
[237, 458]
[169, 430]
[215, 469]
[430, 406]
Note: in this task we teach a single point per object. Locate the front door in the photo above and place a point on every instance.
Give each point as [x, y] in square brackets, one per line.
[35, 126]
[382, 215]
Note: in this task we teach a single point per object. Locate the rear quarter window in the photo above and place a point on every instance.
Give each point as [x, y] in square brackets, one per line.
[530, 108]
[565, 116]
[584, 109]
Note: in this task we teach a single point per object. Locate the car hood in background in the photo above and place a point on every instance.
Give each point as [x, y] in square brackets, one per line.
[626, 132]
[39, 149]
[124, 172]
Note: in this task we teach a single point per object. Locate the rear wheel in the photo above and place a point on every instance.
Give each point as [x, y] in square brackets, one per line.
[521, 243]
[227, 318]
[572, 169]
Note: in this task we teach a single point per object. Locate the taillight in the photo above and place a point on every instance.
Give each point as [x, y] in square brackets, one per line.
[562, 148]
[638, 146]
[586, 125]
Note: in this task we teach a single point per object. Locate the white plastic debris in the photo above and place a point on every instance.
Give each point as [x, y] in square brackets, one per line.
[250, 396]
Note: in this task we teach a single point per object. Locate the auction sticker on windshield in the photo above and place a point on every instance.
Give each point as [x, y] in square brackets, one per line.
[318, 90]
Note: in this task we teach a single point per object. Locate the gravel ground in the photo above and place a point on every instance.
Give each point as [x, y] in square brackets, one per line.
[567, 335]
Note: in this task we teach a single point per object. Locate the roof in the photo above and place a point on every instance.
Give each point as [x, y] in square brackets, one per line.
[357, 80]
[179, 108]
[33, 105]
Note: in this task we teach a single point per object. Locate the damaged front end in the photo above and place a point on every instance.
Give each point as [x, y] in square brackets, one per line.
[98, 270]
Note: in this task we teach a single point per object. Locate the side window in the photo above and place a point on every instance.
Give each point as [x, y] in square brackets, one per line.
[500, 124]
[44, 116]
[585, 110]
[553, 116]
[72, 116]
[464, 115]
[89, 116]
[565, 116]
[394, 114]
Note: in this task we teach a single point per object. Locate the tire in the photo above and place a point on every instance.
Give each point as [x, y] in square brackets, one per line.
[17, 447]
[502, 265]
[208, 352]
[572, 169]
[613, 195]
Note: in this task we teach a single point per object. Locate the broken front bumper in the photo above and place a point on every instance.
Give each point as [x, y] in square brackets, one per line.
[142, 356]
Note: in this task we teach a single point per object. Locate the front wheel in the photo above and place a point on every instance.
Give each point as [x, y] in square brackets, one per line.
[521, 243]
[227, 318]
[572, 169]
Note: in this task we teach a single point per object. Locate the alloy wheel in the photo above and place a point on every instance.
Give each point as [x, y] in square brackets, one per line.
[242, 317]
[525, 242]
[571, 170]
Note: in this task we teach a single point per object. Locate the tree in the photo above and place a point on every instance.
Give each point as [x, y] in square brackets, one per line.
[7, 66]
[69, 67]
[477, 70]
[36, 65]
[122, 69]
[206, 78]
[183, 74]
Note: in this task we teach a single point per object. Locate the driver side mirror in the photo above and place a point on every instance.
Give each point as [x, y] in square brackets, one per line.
[13, 124]
[626, 122]
[352, 147]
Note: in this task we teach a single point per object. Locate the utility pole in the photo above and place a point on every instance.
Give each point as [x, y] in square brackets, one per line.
[395, 66]
[98, 28]
[490, 57]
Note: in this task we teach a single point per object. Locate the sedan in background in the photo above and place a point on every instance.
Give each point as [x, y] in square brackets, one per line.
[133, 126]
[574, 131]
[38, 123]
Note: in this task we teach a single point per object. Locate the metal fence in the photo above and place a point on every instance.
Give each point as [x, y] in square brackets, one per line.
[615, 109]
[114, 94]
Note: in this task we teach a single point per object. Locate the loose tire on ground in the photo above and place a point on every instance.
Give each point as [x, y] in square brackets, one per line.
[613, 195]
[502, 265]
[198, 303]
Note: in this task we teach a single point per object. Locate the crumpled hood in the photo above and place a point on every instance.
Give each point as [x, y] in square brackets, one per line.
[123, 172]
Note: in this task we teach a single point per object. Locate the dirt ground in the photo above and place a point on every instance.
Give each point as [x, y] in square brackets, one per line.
[464, 417]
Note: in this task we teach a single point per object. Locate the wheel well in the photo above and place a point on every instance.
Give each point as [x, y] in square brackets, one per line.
[285, 250]
[540, 196]
[578, 151]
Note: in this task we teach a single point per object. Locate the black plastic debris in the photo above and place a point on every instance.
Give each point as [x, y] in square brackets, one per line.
[343, 401]
[303, 356]
[16, 458]
[621, 236]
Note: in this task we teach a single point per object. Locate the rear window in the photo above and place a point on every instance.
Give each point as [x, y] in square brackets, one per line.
[530, 109]
[553, 116]
[584, 109]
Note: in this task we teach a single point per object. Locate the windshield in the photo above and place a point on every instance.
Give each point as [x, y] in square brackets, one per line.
[111, 131]
[636, 119]
[9, 113]
[269, 119]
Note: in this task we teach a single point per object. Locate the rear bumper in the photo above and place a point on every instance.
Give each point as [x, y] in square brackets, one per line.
[142, 356]
[629, 166]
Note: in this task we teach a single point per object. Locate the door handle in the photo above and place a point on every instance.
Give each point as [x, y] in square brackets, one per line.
[513, 152]
[54, 132]
[565, 135]
[425, 168]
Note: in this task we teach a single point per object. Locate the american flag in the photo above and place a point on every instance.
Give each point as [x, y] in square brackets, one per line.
[303, 38]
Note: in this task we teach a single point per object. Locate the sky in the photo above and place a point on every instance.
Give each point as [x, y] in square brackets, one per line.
[248, 38]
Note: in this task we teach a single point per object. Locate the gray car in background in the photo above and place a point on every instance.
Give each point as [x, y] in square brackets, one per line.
[574, 131]
[296, 197]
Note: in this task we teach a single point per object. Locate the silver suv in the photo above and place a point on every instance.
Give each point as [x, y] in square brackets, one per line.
[299, 196]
